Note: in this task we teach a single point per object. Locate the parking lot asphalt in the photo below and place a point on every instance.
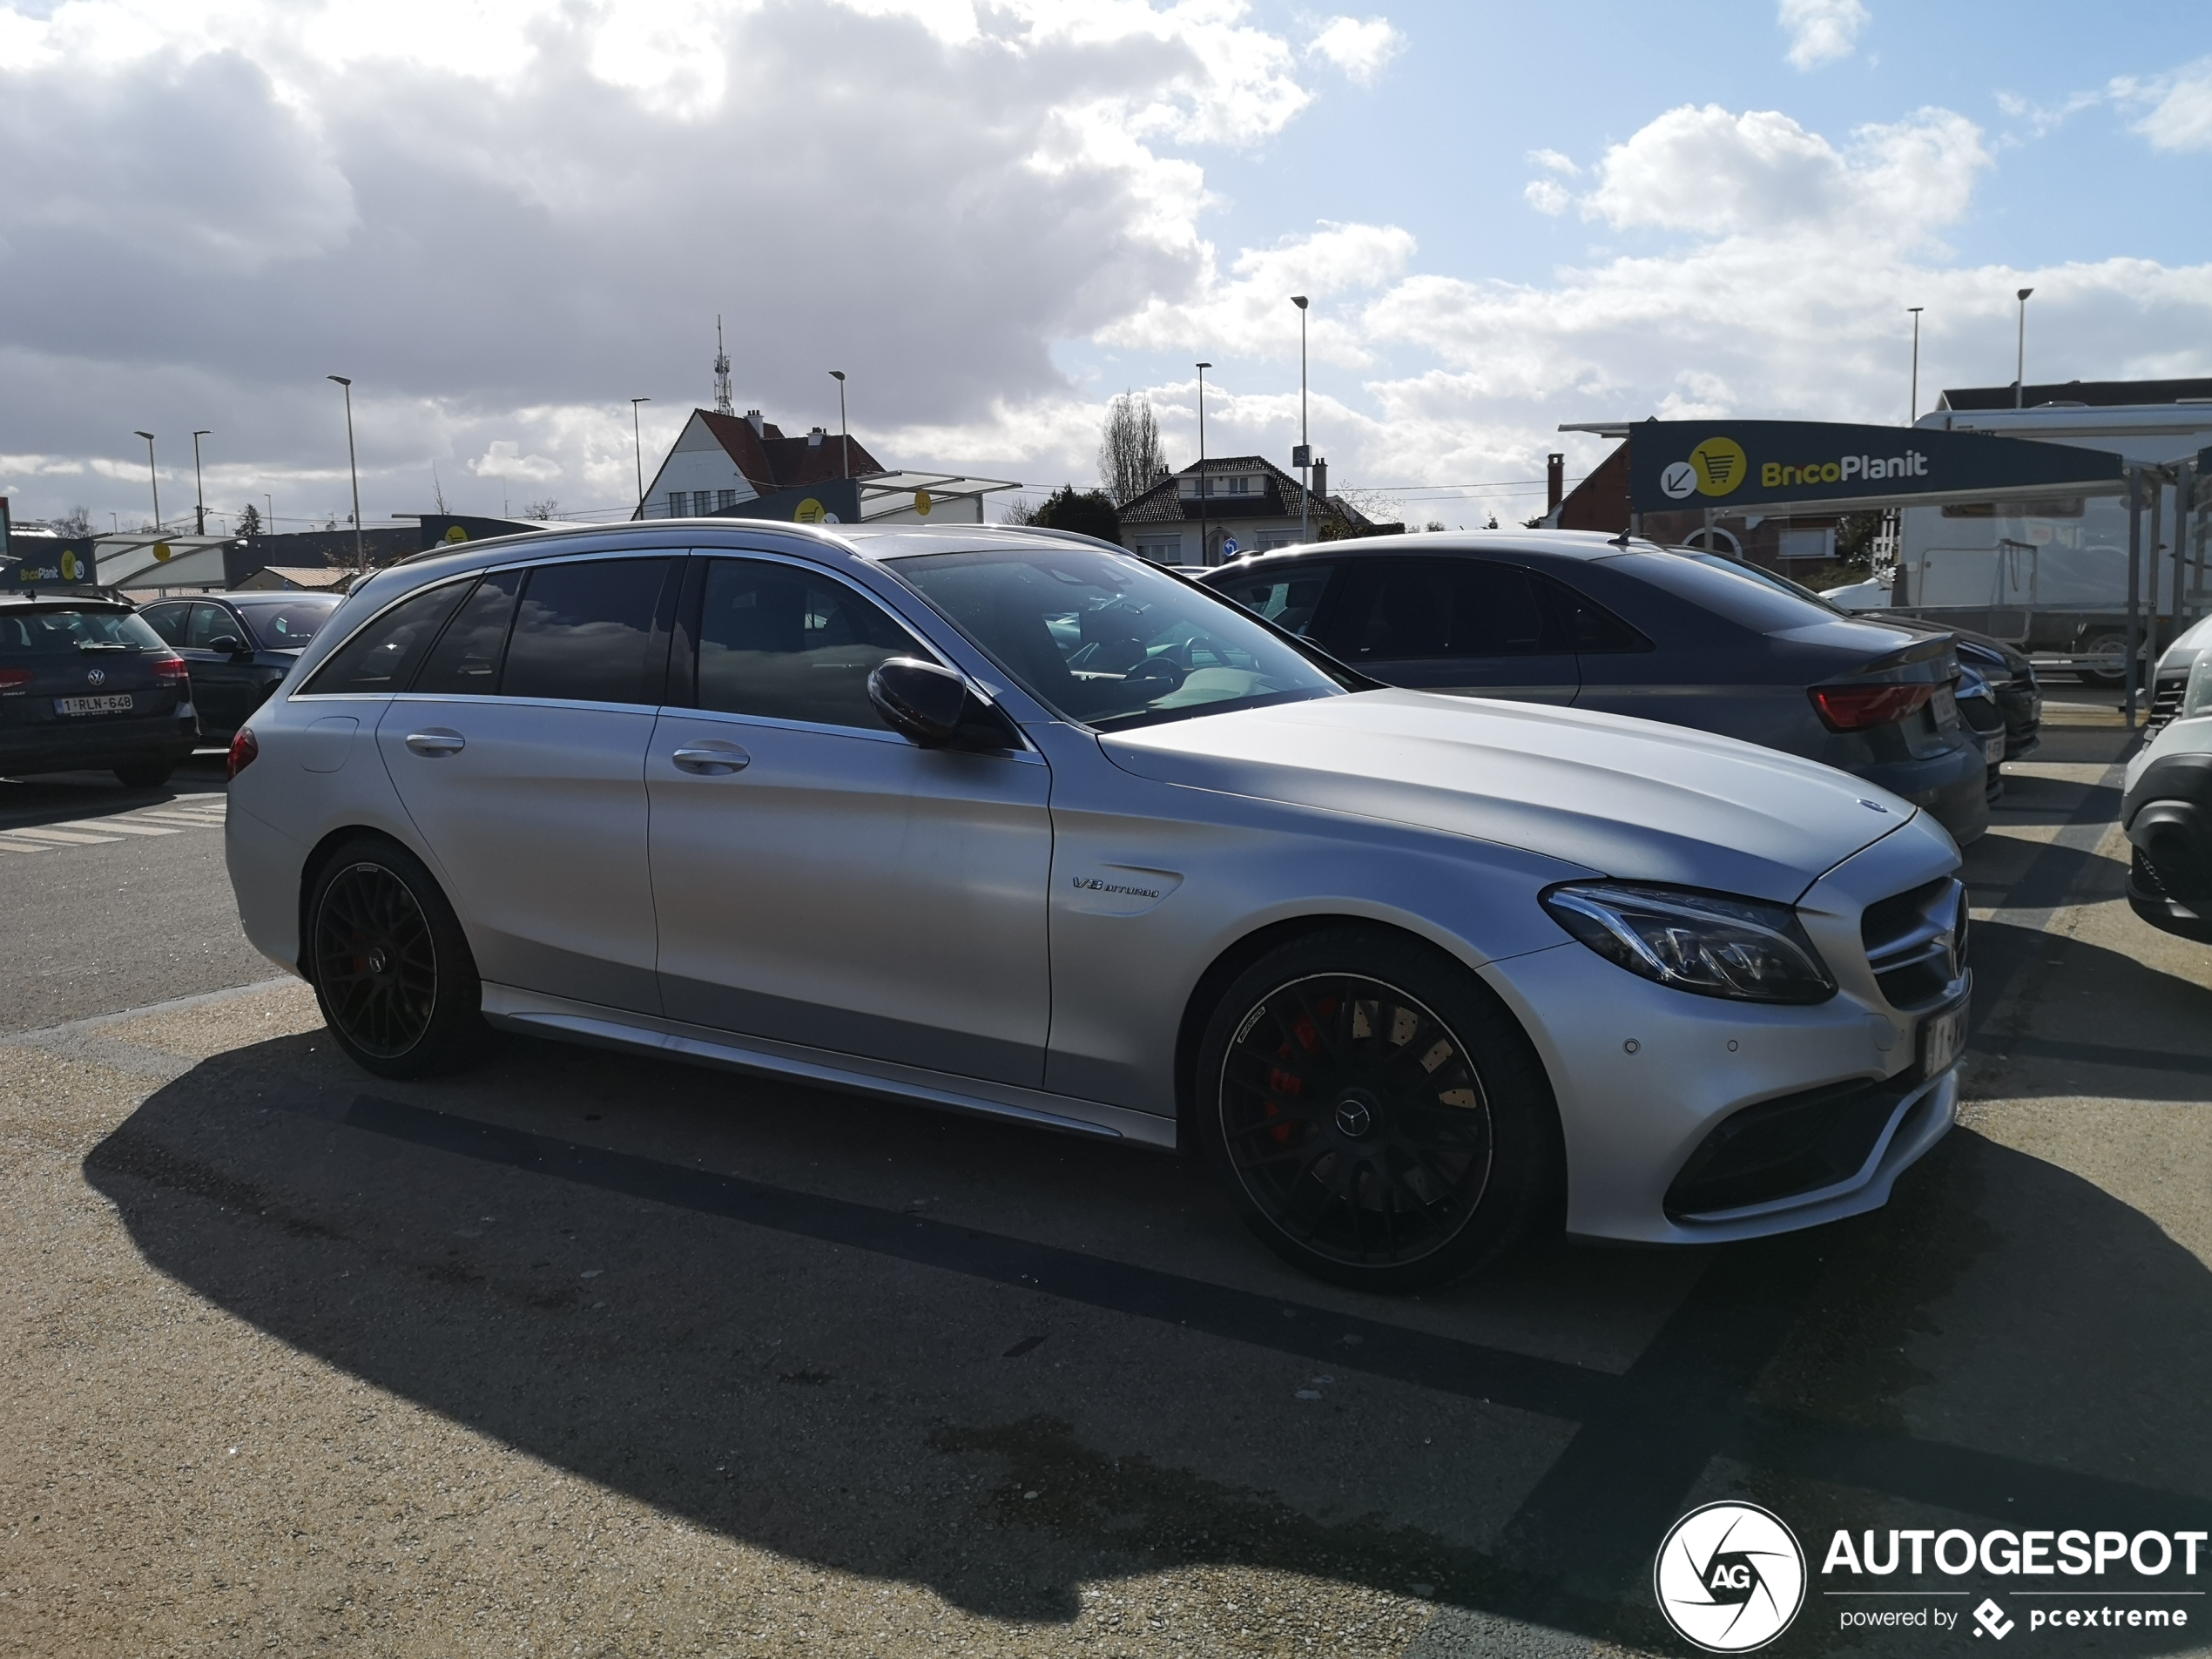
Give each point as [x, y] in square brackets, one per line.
[576, 1352]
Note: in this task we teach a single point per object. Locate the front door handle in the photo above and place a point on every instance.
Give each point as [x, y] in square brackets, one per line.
[435, 741]
[710, 758]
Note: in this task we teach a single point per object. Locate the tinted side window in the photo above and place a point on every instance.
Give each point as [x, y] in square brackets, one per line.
[1286, 598]
[584, 631]
[382, 655]
[1408, 610]
[209, 623]
[168, 621]
[466, 658]
[777, 641]
[1591, 628]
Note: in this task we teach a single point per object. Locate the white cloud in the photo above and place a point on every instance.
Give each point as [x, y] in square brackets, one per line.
[1360, 47]
[1822, 30]
[2180, 113]
[1553, 161]
[1710, 172]
[1251, 315]
[505, 460]
[1548, 196]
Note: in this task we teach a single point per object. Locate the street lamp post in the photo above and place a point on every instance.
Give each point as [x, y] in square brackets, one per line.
[2019, 366]
[155, 478]
[843, 443]
[1916, 311]
[360, 555]
[198, 489]
[1203, 559]
[1305, 445]
[637, 451]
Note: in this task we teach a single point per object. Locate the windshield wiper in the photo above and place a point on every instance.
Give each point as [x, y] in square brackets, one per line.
[100, 644]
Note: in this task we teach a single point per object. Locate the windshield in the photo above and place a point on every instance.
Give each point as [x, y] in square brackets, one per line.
[1733, 590]
[50, 631]
[287, 624]
[1107, 640]
[1772, 578]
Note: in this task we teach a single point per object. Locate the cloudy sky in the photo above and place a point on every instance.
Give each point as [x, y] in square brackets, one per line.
[506, 217]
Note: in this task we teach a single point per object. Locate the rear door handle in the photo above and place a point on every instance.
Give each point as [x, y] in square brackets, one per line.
[710, 758]
[435, 741]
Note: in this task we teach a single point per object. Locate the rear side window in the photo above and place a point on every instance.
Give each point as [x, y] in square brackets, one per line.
[584, 632]
[1287, 599]
[1591, 629]
[781, 642]
[168, 621]
[466, 658]
[1410, 610]
[383, 656]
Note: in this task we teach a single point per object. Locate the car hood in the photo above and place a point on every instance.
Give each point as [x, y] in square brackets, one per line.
[1629, 798]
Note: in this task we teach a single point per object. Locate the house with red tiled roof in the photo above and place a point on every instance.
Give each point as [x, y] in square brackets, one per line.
[721, 461]
[1228, 506]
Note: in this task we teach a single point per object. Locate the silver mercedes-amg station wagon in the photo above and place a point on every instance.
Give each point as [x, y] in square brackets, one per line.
[1014, 822]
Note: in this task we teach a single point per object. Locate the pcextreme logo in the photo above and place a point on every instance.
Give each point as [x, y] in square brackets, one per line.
[1729, 1576]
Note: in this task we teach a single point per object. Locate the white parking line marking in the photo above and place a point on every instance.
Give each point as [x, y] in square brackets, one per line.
[61, 837]
[135, 827]
[7, 845]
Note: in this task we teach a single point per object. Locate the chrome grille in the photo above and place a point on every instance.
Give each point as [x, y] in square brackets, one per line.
[1916, 942]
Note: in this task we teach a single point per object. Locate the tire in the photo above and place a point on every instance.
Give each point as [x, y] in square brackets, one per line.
[145, 774]
[1354, 1148]
[392, 969]
[2114, 646]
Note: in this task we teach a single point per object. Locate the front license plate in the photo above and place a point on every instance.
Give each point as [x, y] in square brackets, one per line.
[118, 703]
[1942, 1037]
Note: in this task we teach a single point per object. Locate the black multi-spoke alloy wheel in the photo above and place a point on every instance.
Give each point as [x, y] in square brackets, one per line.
[391, 967]
[1379, 1117]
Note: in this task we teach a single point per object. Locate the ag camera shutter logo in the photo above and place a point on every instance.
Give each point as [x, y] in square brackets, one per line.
[1730, 1577]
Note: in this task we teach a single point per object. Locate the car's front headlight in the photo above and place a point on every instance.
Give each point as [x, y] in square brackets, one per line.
[1740, 948]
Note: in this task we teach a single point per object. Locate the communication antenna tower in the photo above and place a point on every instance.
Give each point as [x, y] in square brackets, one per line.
[722, 404]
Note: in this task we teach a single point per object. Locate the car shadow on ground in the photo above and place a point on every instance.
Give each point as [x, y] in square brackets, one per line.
[815, 1368]
[45, 797]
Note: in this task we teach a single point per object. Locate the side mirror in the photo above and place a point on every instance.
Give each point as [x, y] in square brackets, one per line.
[229, 644]
[920, 700]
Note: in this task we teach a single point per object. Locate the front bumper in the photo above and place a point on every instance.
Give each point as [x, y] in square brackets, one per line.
[1644, 1076]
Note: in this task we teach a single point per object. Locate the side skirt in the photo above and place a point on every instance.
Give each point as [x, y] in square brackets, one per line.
[535, 1015]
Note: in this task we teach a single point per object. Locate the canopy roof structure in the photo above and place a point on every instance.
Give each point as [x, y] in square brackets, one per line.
[1834, 467]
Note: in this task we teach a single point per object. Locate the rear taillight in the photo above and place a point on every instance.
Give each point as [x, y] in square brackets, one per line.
[11, 679]
[171, 671]
[1854, 708]
[244, 750]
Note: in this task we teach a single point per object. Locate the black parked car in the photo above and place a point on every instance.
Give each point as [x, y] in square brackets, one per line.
[1628, 627]
[85, 684]
[238, 647]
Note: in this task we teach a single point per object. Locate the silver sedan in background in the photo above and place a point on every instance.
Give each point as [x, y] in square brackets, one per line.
[1011, 822]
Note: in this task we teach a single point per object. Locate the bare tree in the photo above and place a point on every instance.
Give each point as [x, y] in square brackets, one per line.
[1130, 458]
[542, 509]
[74, 522]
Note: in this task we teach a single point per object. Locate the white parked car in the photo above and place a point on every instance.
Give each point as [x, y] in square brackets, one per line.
[1859, 596]
[1011, 822]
